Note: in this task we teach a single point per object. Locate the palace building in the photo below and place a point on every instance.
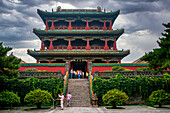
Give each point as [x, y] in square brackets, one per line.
[78, 38]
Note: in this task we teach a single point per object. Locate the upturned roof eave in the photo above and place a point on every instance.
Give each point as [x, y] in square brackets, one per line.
[30, 52]
[39, 33]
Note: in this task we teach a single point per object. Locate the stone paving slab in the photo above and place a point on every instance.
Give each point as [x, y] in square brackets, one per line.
[128, 109]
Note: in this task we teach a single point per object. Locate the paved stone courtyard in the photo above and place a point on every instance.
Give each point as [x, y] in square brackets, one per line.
[128, 109]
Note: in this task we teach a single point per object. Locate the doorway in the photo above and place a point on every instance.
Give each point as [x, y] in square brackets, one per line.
[79, 66]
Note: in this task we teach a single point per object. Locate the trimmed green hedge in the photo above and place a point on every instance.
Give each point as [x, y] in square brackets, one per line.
[24, 86]
[142, 86]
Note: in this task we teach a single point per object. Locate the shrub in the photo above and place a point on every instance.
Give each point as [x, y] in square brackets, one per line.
[31, 69]
[24, 86]
[38, 97]
[166, 75]
[117, 68]
[138, 86]
[115, 97]
[9, 98]
[159, 97]
[143, 69]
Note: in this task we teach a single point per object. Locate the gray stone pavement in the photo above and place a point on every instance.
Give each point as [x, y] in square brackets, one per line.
[128, 109]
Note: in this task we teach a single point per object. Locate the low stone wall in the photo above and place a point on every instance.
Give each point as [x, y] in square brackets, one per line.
[45, 74]
[108, 74]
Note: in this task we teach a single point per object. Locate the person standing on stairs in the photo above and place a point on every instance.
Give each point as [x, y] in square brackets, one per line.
[68, 99]
[78, 74]
[71, 72]
[62, 100]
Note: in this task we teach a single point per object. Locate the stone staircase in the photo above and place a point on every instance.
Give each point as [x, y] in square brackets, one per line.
[79, 89]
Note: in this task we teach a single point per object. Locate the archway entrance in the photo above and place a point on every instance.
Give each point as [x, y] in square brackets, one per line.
[79, 65]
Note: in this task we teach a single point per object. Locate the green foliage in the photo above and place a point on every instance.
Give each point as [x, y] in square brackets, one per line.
[31, 69]
[166, 75]
[141, 86]
[24, 86]
[8, 64]
[38, 97]
[159, 58]
[159, 97]
[143, 69]
[8, 98]
[115, 97]
[119, 68]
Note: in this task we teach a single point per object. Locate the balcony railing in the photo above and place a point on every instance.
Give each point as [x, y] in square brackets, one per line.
[78, 47]
[79, 28]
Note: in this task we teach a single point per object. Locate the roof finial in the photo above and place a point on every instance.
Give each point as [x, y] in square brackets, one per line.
[99, 9]
[58, 8]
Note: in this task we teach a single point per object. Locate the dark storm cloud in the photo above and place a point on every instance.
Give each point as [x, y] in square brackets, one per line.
[137, 0]
[3, 10]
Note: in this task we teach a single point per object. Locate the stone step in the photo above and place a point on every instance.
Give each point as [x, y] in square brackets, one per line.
[79, 89]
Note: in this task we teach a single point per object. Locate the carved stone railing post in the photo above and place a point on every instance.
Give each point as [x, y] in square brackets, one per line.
[66, 67]
[90, 66]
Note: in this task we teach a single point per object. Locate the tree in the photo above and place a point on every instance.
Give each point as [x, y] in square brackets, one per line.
[159, 59]
[8, 64]
[159, 97]
[115, 97]
[38, 97]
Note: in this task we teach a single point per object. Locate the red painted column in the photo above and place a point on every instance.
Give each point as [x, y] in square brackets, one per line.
[46, 28]
[114, 47]
[110, 27]
[52, 26]
[87, 46]
[37, 60]
[49, 60]
[69, 27]
[104, 27]
[88, 65]
[107, 61]
[51, 44]
[119, 61]
[69, 45]
[42, 44]
[87, 25]
[106, 46]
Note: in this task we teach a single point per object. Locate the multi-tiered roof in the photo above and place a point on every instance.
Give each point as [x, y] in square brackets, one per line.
[78, 33]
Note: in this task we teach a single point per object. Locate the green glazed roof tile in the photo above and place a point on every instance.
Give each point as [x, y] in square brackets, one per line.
[120, 31]
[77, 12]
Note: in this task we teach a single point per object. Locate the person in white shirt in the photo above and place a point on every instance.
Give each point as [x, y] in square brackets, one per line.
[62, 98]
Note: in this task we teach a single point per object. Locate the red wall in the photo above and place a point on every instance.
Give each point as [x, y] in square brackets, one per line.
[62, 69]
[110, 68]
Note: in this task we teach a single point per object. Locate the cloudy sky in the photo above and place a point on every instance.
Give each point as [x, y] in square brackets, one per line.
[141, 19]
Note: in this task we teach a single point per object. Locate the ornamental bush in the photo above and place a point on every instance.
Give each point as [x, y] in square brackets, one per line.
[138, 86]
[38, 97]
[115, 97]
[8, 98]
[159, 97]
[117, 68]
[31, 69]
[143, 69]
[24, 86]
